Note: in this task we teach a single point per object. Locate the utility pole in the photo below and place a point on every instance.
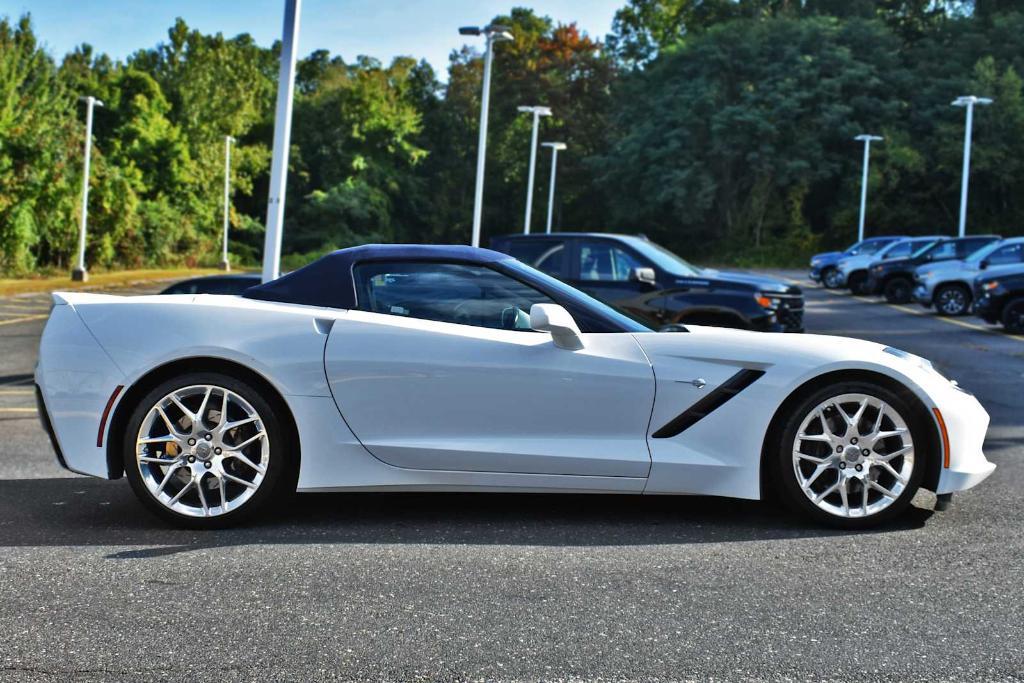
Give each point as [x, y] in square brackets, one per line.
[537, 112]
[493, 34]
[79, 273]
[282, 139]
[224, 264]
[867, 140]
[967, 101]
[556, 147]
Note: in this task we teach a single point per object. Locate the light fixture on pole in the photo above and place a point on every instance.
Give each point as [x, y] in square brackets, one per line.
[79, 273]
[556, 147]
[867, 140]
[282, 139]
[537, 112]
[224, 264]
[493, 34]
[967, 101]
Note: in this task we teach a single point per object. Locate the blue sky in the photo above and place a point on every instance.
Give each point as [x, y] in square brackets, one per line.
[379, 28]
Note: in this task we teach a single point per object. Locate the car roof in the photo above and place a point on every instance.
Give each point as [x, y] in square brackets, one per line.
[328, 280]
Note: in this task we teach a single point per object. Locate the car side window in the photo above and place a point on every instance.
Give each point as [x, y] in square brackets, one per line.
[446, 292]
[545, 255]
[945, 250]
[1011, 253]
[900, 250]
[605, 262]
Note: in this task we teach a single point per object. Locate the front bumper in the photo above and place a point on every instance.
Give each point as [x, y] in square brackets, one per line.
[966, 424]
[986, 308]
[923, 294]
[873, 285]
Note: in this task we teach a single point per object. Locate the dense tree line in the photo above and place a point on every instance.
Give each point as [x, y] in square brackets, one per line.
[722, 128]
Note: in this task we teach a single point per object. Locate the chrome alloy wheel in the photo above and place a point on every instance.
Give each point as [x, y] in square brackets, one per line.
[952, 301]
[202, 451]
[853, 455]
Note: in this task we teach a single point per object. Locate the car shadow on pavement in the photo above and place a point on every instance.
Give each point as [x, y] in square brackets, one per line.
[88, 512]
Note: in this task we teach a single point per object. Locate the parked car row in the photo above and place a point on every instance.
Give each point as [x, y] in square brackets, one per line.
[955, 275]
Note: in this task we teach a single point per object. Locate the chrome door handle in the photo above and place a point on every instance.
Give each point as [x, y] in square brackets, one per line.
[700, 383]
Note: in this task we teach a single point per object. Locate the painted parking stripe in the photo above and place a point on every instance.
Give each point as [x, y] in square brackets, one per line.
[27, 318]
[17, 410]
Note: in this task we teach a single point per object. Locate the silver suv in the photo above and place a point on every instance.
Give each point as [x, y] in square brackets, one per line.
[947, 285]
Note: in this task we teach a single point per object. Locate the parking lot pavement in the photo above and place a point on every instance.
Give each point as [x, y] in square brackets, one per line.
[453, 587]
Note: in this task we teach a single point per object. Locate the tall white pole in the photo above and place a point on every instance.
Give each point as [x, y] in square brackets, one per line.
[79, 273]
[867, 140]
[967, 101]
[282, 139]
[965, 174]
[533, 169]
[224, 263]
[551, 191]
[481, 151]
[555, 147]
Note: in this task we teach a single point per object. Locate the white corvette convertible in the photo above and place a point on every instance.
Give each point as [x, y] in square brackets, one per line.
[456, 369]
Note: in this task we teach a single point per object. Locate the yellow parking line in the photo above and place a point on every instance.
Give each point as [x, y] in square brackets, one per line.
[16, 392]
[17, 410]
[27, 318]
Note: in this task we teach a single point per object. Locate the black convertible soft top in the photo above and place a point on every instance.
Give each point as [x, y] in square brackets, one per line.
[328, 280]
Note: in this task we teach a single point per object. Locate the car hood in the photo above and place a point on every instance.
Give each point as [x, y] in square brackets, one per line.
[827, 257]
[855, 262]
[946, 267]
[762, 282]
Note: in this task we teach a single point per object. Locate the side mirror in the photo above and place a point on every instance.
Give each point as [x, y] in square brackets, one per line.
[646, 276]
[984, 264]
[556, 320]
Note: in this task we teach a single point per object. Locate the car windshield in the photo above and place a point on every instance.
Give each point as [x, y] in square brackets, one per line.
[866, 247]
[925, 248]
[665, 259]
[977, 255]
[576, 296]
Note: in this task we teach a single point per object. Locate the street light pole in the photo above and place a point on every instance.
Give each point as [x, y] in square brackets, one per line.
[537, 113]
[493, 34]
[967, 101]
[224, 264]
[282, 139]
[867, 140]
[79, 273]
[556, 147]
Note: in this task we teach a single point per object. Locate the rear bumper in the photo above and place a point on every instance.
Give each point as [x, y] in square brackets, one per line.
[44, 418]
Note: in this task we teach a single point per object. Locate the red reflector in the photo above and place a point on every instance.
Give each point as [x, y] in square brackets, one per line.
[106, 414]
[945, 437]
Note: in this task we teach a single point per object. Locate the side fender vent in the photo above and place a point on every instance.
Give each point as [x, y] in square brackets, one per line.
[704, 407]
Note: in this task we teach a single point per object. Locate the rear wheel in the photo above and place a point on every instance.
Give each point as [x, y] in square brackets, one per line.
[898, 290]
[1013, 316]
[858, 283]
[847, 455]
[952, 300]
[205, 450]
[831, 278]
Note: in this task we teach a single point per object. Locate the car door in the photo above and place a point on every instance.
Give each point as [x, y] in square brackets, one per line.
[439, 370]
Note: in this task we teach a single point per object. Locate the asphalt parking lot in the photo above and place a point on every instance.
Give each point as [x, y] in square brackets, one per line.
[456, 587]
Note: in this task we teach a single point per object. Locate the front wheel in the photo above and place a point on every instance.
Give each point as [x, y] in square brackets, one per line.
[847, 455]
[205, 450]
[831, 278]
[898, 290]
[858, 283]
[1013, 316]
[952, 300]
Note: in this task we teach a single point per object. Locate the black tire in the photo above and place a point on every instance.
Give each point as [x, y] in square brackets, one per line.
[1013, 316]
[278, 479]
[785, 476]
[858, 283]
[952, 300]
[830, 278]
[898, 290]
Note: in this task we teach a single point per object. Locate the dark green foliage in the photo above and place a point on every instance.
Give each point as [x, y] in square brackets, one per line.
[722, 128]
